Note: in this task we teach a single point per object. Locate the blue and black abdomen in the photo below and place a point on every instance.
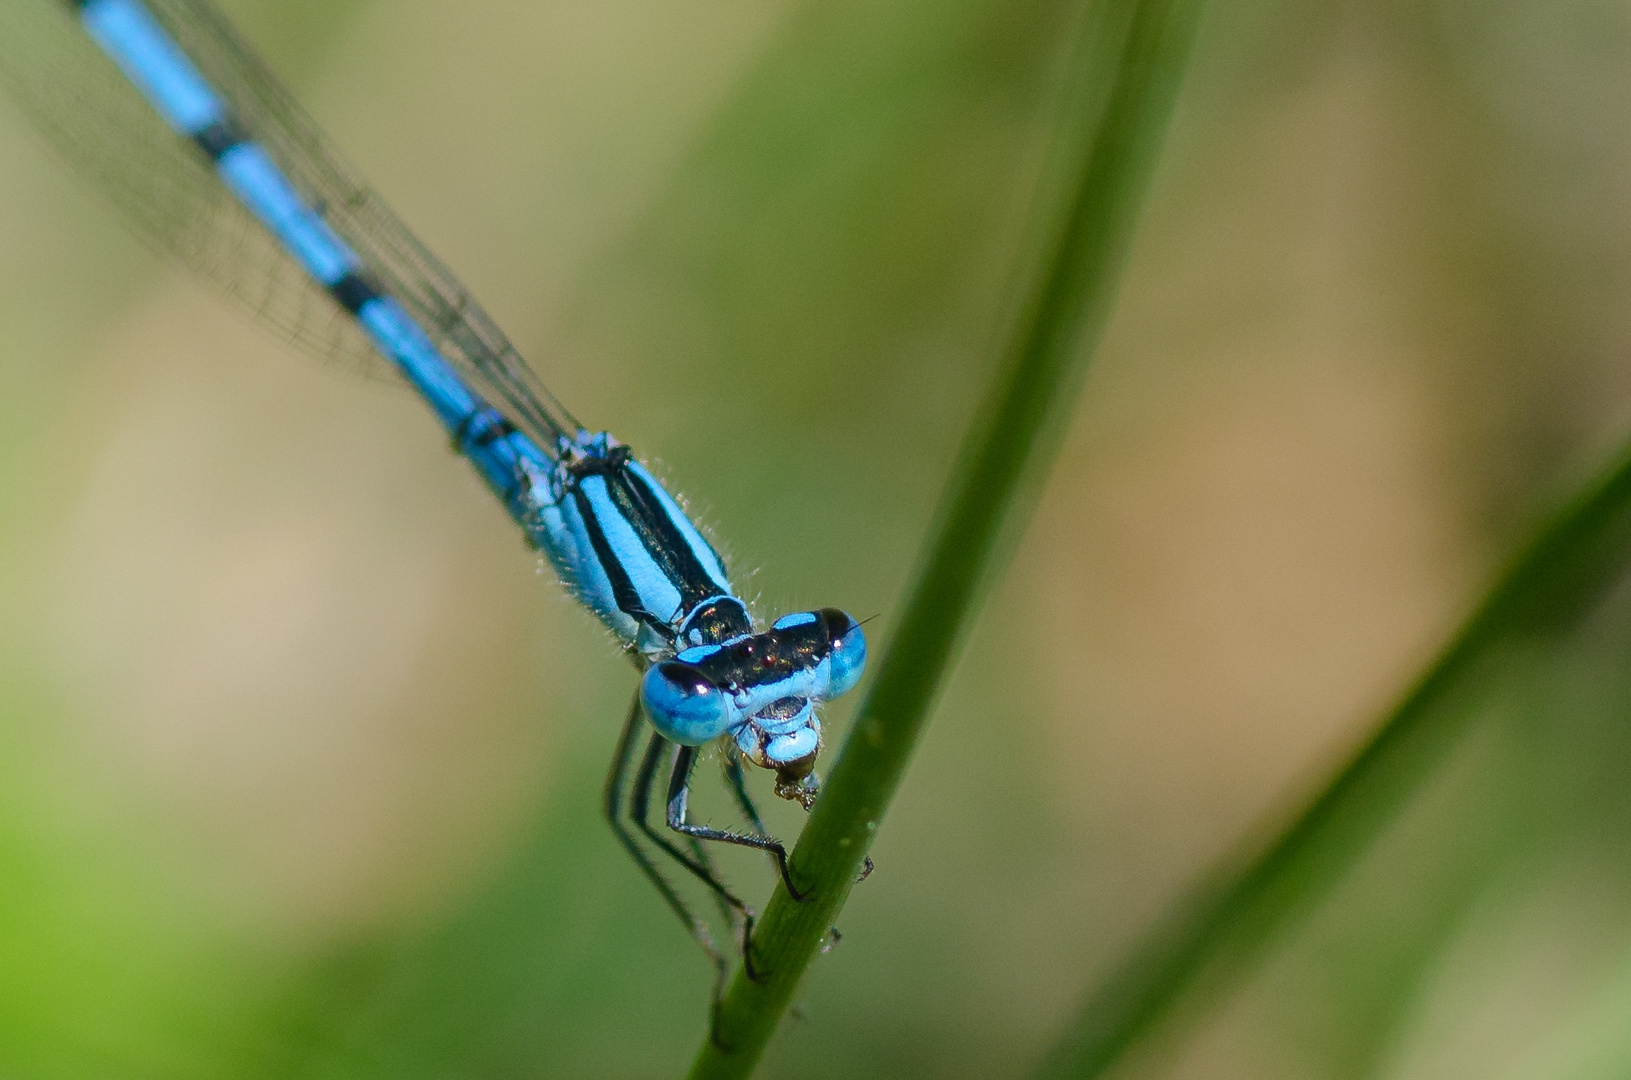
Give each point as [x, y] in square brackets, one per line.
[195, 109]
[620, 542]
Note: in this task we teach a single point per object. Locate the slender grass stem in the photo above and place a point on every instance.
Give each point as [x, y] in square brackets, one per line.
[1125, 80]
[1227, 923]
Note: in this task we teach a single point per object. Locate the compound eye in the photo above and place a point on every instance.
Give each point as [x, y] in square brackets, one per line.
[687, 679]
[846, 655]
[837, 623]
[684, 704]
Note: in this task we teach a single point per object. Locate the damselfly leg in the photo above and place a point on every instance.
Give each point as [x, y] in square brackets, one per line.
[735, 777]
[613, 807]
[679, 791]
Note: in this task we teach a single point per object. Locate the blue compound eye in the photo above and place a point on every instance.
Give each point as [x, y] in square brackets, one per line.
[847, 654]
[684, 704]
[836, 623]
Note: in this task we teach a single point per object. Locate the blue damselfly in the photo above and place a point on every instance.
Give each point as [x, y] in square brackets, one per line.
[164, 106]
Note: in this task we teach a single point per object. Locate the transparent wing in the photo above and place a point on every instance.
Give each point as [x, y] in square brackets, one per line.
[169, 191]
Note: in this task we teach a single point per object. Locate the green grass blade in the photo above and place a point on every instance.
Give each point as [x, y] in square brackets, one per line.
[1127, 73]
[1227, 923]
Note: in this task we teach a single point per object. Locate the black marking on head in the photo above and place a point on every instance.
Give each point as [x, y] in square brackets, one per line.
[687, 677]
[768, 657]
[717, 619]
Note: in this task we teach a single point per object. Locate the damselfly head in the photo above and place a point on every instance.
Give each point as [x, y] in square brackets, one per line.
[762, 690]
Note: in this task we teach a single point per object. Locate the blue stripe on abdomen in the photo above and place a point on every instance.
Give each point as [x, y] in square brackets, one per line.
[251, 174]
[144, 50]
[147, 54]
[396, 335]
[151, 60]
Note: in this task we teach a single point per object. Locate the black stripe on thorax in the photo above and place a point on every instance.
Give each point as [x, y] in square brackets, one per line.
[661, 537]
[623, 590]
[658, 534]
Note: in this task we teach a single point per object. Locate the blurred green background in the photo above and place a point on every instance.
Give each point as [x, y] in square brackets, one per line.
[300, 753]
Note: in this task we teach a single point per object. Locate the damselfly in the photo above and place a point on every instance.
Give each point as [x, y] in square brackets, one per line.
[163, 105]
